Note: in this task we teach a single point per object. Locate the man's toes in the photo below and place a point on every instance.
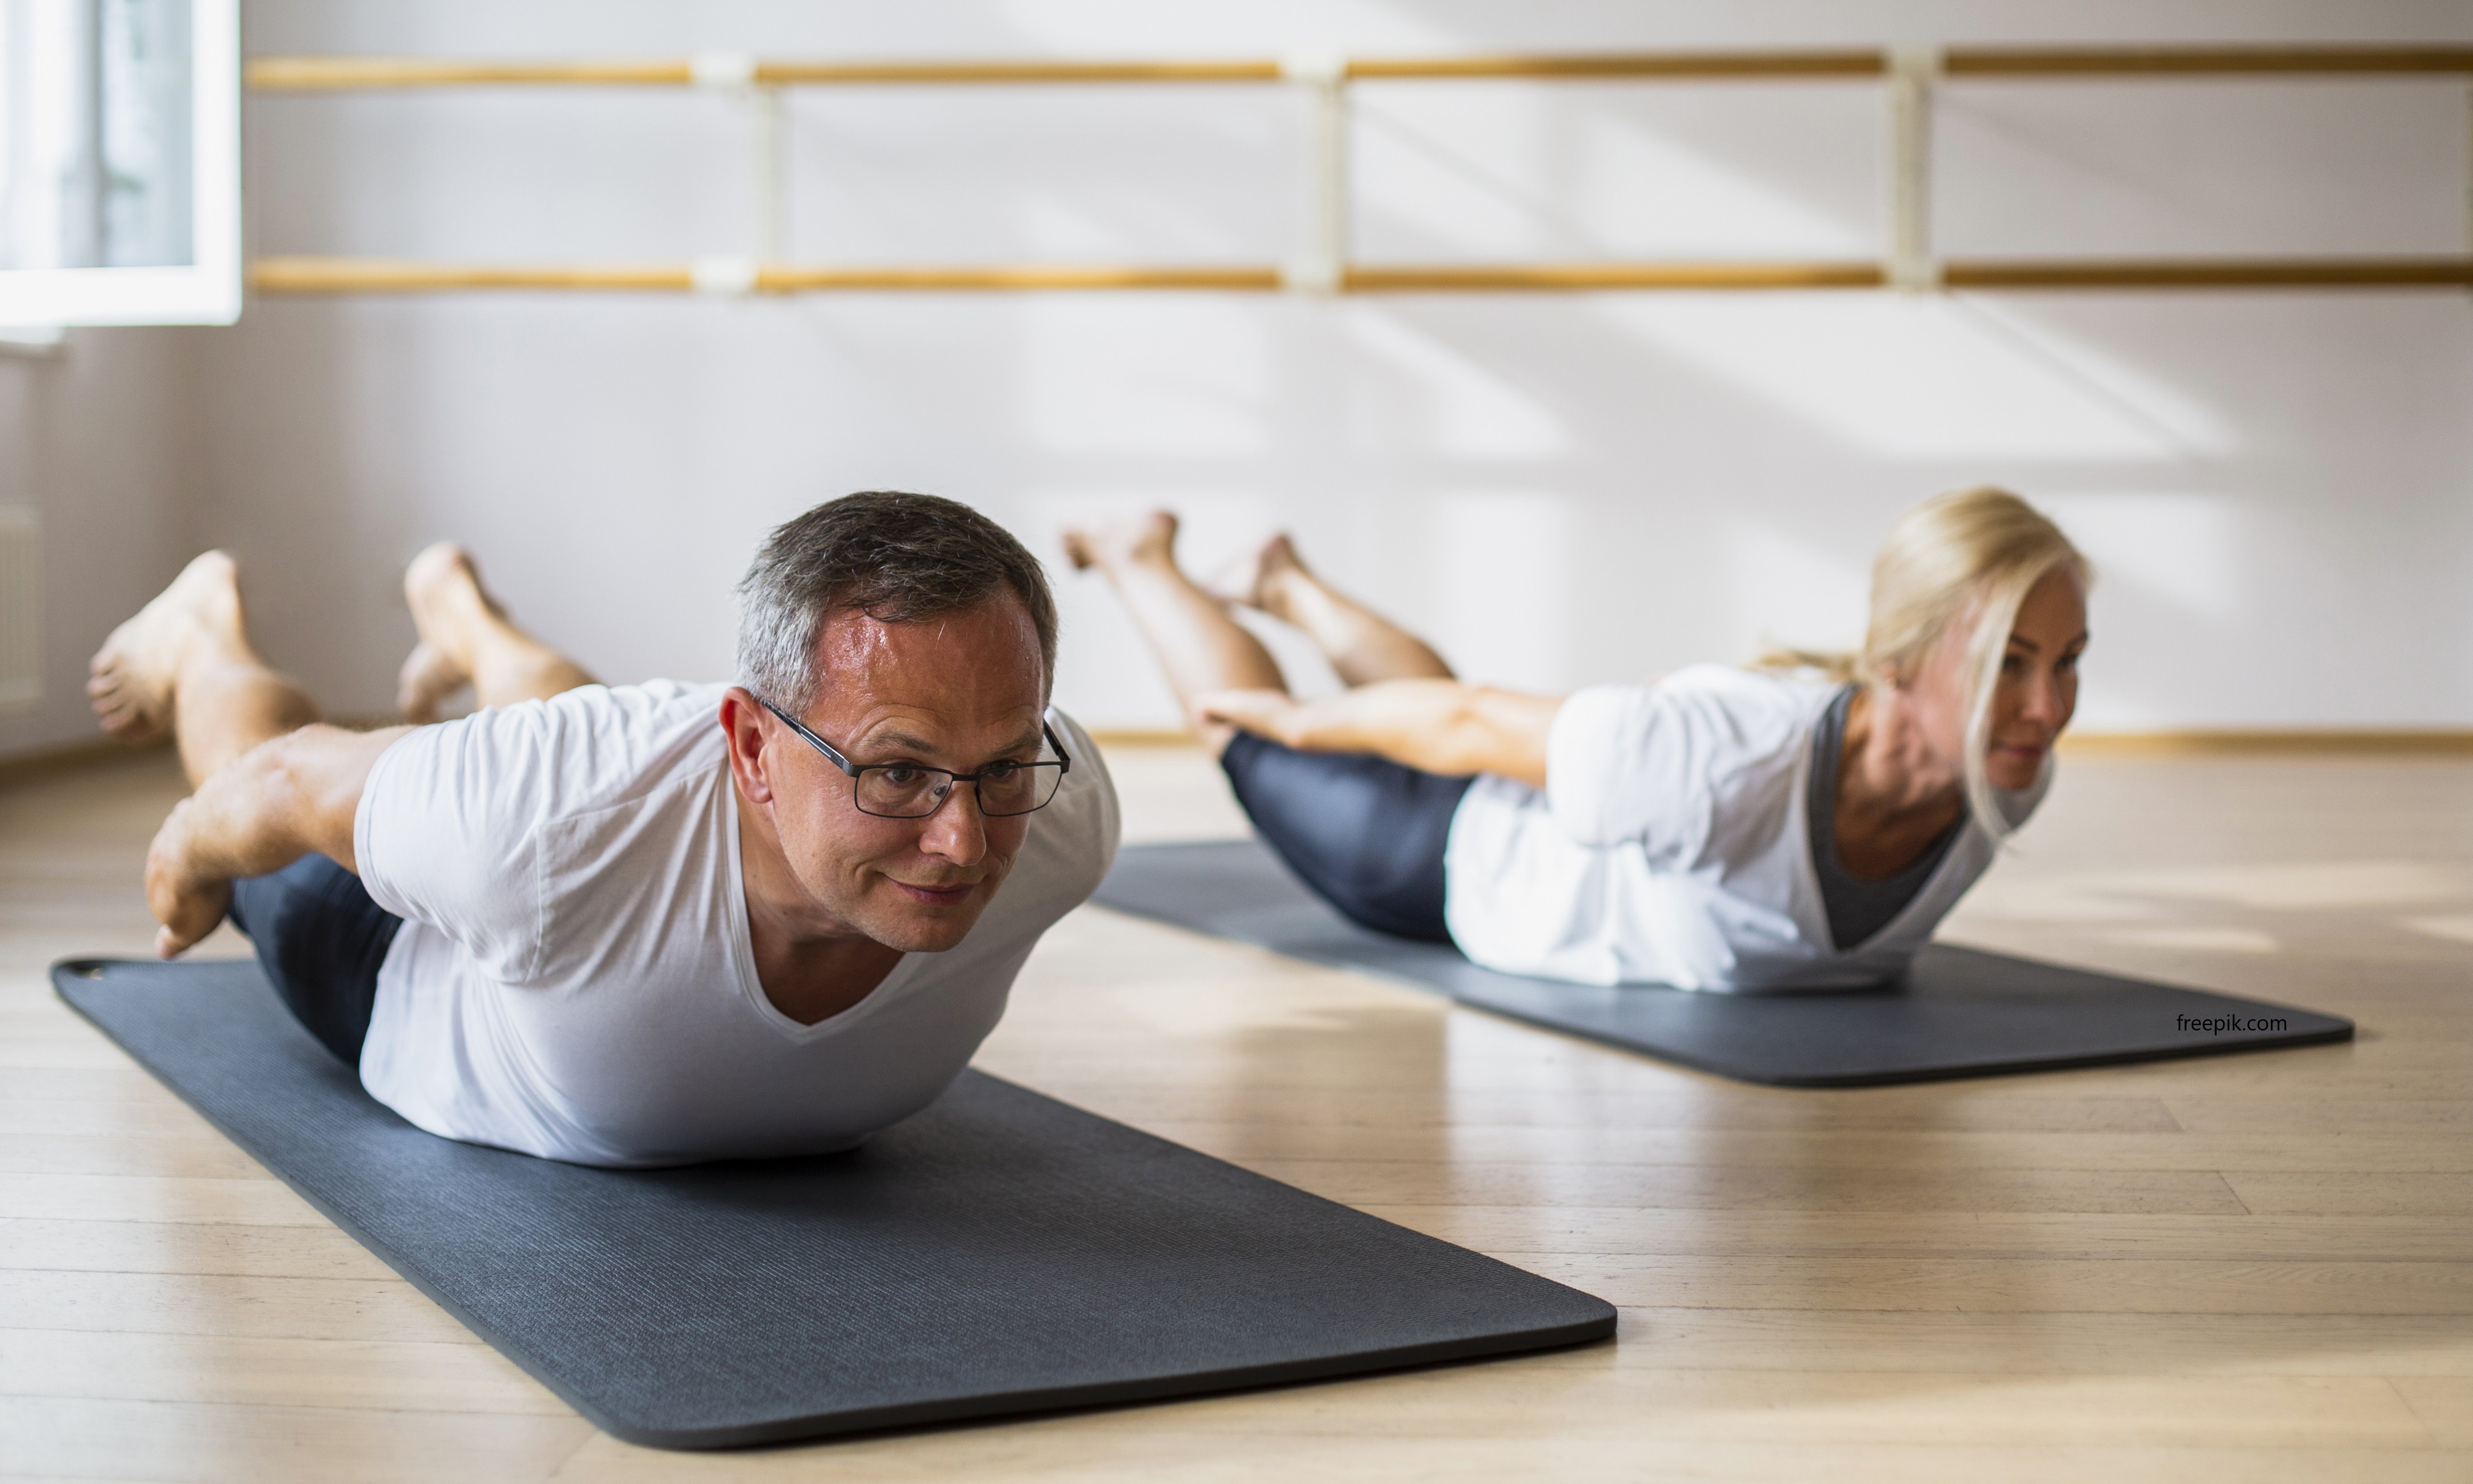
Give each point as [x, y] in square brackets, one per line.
[428, 677]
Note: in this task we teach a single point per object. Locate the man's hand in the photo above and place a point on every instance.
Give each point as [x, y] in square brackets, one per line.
[188, 902]
[281, 800]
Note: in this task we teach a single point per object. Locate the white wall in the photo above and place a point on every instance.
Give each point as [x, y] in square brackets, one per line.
[2279, 486]
[98, 437]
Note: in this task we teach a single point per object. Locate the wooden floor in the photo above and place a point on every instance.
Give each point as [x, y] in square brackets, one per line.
[2255, 1267]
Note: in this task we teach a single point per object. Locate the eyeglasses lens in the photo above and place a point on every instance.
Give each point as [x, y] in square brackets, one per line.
[909, 793]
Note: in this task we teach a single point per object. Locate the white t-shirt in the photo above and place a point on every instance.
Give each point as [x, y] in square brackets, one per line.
[573, 977]
[1670, 846]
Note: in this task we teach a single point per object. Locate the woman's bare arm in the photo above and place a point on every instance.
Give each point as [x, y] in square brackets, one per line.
[1437, 725]
[286, 797]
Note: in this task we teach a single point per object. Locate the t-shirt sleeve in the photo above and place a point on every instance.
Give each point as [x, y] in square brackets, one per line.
[1631, 765]
[449, 833]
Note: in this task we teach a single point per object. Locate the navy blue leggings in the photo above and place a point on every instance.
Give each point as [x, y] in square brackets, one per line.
[321, 941]
[1365, 833]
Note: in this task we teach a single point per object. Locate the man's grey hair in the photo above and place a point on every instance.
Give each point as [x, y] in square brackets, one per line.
[897, 557]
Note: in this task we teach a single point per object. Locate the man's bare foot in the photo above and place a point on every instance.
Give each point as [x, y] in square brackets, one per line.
[134, 673]
[1259, 578]
[1123, 542]
[444, 590]
[429, 677]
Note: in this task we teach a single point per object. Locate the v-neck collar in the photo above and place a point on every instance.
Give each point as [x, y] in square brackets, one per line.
[1812, 905]
[742, 953]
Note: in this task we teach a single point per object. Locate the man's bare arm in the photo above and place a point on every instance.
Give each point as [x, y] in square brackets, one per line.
[286, 797]
[1438, 725]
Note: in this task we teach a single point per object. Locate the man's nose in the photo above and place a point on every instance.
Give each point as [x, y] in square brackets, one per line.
[958, 831]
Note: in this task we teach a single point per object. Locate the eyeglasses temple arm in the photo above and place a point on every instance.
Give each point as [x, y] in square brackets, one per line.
[833, 753]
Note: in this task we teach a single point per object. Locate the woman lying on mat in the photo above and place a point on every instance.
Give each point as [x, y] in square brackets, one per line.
[1802, 825]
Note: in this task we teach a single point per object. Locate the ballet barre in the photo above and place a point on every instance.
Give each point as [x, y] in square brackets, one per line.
[338, 74]
[1326, 264]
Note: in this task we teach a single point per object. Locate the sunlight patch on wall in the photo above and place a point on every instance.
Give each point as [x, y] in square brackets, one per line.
[1456, 168]
[1789, 592]
[2190, 426]
[1469, 409]
[1131, 226]
[2176, 547]
[1133, 27]
[1188, 375]
[1057, 229]
[1501, 564]
[1653, 196]
[1915, 378]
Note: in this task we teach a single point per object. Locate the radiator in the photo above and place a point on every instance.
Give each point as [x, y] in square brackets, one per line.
[21, 608]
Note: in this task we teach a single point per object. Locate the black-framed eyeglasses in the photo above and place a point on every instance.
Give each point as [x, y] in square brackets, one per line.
[913, 791]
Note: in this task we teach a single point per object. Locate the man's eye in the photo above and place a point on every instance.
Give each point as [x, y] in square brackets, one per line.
[903, 775]
[999, 771]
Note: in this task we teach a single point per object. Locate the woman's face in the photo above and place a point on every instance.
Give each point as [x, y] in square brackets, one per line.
[2037, 692]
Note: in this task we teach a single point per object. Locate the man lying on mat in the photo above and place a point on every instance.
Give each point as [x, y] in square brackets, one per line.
[586, 921]
[1801, 824]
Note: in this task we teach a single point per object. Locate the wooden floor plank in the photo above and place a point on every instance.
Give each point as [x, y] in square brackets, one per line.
[184, 1442]
[295, 1305]
[2037, 1236]
[1080, 1451]
[199, 1250]
[218, 1369]
[2105, 1343]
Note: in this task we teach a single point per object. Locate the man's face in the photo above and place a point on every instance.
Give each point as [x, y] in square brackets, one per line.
[956, 692]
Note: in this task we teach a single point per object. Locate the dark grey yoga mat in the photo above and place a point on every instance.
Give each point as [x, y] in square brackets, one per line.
[1000, 1252]
[1961, 1012]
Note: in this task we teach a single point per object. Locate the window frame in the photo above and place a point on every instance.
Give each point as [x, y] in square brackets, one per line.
[206, 291]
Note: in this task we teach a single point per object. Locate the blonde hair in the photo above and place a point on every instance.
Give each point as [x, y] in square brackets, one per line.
[1965, 559]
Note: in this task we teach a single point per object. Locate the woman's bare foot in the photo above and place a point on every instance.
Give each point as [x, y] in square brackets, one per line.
[133, 674]
[1261, 578]
[1125, 541]
[444, 591]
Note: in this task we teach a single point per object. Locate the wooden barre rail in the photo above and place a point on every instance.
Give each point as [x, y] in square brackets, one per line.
[1958, 274]
[392, 276]
[2375, 273]
[398, 276]
[2204, 62]
[1477, 277]
[336, 74]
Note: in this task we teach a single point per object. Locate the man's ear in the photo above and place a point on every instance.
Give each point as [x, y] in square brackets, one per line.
[742, 723]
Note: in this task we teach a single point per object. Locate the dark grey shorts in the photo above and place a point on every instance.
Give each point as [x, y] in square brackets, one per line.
[321, 941]
[1365, 833]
